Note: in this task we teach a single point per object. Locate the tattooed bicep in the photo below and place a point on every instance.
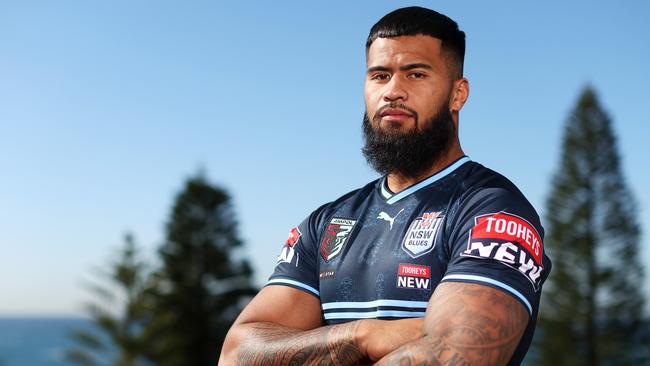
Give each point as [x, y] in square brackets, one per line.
[474, 323]
[465, 324]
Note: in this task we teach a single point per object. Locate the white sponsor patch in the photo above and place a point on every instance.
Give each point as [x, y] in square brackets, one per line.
[413, 276]
[287, 255]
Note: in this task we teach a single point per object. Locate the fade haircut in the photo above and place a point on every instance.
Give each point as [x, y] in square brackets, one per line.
[414, 21]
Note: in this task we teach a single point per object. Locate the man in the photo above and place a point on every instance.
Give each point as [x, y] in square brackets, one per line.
[438, 262]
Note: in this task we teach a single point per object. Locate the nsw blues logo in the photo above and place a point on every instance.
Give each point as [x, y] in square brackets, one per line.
[336, 235]
[420, 238]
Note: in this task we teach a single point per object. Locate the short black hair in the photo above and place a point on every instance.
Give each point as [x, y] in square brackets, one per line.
[415, 20]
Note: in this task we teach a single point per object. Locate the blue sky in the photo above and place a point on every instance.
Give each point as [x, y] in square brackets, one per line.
[107, 107]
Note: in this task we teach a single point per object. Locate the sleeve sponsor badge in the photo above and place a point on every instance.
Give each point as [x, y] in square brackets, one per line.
[288, 253]
[294, 235]
[510, 240]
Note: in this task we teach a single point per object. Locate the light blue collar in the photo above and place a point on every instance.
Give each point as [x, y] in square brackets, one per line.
[392, 198]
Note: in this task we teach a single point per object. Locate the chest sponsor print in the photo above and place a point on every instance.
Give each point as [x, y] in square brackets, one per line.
[509, 239]
[327, 273]
[420, 237]
[414, 276]
[336, 235]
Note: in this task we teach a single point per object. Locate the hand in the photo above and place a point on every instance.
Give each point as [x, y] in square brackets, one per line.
[377, 338]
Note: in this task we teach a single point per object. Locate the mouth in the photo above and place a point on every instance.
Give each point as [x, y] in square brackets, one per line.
[395, 114]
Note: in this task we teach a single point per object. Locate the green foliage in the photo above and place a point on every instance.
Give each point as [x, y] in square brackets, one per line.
[592, 306]
[119, 313]
[202, 285]
[177, 314]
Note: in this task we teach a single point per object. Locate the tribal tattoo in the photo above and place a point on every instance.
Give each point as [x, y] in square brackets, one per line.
[274, 345]
[467, 324]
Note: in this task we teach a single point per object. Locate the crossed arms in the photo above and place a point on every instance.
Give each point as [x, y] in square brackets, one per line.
[465, 324]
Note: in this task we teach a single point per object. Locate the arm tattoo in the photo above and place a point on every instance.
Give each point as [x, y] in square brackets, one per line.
[271, 344]
[468, 324]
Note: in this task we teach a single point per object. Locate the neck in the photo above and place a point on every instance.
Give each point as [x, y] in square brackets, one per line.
[397, 182]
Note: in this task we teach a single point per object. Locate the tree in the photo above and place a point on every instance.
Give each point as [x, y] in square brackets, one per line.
[592, 306]
[119, 314]
[203, 286]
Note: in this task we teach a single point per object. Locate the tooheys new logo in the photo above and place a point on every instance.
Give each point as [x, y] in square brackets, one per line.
[336, 234]
[509, 239]
[287, 253]
[414, 276]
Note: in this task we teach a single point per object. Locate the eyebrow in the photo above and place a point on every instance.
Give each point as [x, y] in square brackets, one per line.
[406, 67]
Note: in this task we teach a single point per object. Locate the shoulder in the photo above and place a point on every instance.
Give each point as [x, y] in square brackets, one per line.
[483, 191]
[475, 177]
[481, 183]
[352, 198]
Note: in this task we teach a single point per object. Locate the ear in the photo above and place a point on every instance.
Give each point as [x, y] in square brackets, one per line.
[459, 95]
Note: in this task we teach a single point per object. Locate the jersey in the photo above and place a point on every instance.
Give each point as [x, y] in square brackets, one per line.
[376, 254]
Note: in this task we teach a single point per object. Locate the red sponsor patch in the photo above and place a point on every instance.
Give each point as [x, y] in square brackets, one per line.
[294, 235]
[414, 270]
[508, 227]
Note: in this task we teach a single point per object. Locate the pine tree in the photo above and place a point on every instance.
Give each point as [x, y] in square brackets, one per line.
[592, 305]
[203, 286]
[119, 314]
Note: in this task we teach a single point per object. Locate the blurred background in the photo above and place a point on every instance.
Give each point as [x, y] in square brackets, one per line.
[126, 128]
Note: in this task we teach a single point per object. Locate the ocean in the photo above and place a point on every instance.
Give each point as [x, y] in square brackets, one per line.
[36, 341]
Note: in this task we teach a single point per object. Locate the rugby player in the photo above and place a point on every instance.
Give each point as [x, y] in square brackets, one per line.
[440, 261]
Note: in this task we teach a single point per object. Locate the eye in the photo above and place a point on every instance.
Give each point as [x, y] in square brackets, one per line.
[382, 76]
[416, 75]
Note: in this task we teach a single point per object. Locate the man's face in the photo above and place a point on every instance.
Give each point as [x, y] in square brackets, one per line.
[408, 124]
[407, 82]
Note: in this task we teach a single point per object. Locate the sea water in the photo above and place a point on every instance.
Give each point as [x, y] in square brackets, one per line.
[36, 341]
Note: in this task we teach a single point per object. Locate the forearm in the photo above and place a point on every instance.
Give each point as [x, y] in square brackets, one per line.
[441, 351]
[272, 344]
[424, 352]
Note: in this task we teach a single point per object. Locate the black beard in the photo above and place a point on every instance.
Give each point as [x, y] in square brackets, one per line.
[412, 153]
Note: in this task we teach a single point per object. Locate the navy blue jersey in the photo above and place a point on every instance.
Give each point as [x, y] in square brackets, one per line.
[376, 254]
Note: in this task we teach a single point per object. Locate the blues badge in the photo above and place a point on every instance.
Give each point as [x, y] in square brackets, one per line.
[420, 237]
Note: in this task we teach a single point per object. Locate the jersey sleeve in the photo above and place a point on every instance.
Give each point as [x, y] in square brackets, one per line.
[495, 239]
[296, 265]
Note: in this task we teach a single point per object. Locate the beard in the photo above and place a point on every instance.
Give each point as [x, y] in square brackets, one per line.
[412, 153]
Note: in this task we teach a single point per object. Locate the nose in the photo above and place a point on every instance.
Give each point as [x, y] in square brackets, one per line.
[394, 90]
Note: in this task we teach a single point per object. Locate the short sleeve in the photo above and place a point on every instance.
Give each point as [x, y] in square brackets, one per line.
[496, 240]
[296, 265]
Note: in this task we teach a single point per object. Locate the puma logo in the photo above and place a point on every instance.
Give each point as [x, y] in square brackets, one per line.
[391, 220]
